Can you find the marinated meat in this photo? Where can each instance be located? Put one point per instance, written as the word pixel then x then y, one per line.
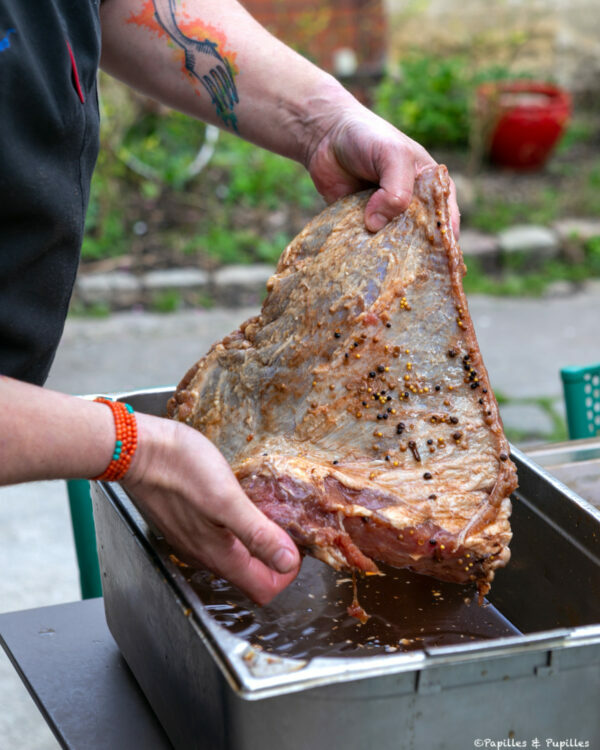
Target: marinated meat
pixel 356 410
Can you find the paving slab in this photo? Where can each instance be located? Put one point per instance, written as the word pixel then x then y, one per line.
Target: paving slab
pixel 525 342
pixel 528 419
pixel 530 239
pixel 482 247
pixel 579 229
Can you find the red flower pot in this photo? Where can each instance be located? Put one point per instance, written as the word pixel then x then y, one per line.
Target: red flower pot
pixel 526 121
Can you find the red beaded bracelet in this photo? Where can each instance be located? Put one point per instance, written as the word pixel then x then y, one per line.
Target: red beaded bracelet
pixel 125 443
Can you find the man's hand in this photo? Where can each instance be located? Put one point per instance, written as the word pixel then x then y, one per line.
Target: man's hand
pixel 361 150
pixel 282 101
pixel 185 487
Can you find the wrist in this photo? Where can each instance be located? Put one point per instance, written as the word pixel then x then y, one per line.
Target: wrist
pixel 321 109
pixel 153 436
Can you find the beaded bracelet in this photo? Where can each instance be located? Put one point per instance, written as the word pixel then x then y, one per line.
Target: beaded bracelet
pixel 125 443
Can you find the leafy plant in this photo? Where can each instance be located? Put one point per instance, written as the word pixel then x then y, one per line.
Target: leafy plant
pixel 227 245
pixel 238 246
pixel 428 100
pixel 166 302
pixel 161 146
pixel 258 177
pixel 592 255
pixel 495 214
pixel 431 97
pixel 104 235
pixel 519 282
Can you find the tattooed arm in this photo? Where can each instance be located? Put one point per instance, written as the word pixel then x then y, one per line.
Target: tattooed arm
pixel 203 61
pixel 212 60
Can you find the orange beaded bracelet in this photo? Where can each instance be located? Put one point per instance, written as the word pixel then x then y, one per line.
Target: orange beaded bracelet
pixel 125 443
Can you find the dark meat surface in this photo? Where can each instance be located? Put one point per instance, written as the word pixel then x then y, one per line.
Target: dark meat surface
pixel 355 410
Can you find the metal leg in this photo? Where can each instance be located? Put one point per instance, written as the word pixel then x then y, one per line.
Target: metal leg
pixel 85 537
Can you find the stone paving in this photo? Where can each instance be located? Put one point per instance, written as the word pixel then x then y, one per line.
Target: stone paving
pixel 524 342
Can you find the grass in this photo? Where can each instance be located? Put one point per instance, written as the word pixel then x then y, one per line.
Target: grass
pixel 257 177
pixel 218 215
pixel 493 215
pixel 516 280
pixel 232 246
pixel 96 310
pixel 168 301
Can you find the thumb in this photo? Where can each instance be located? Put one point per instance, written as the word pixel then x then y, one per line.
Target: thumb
pixel 394 194
pixel 263 538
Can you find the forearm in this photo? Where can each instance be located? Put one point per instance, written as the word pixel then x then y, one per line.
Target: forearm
pixel 283 100
pixel 48 435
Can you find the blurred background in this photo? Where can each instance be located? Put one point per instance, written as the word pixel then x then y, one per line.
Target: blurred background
pixel 420 65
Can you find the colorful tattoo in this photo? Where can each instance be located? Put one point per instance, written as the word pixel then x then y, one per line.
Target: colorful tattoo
pixel 207 61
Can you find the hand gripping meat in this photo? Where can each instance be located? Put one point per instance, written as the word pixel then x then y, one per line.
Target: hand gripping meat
pixel 355 409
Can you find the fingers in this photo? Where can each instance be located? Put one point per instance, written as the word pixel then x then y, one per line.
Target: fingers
pixel 383 206
pixel 263 539
pixel 257 581
pixel 396 172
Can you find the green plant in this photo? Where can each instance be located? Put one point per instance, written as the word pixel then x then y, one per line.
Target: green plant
pixel 592 255
pixel 204 301
pixel 226 245
pixel 166 302
pixel 493 214
pixel 578 131
pixel 78 309
pixel 431 97
pixel 517 281
pixel 161 146
pixel 260 178
pixel 269 251
pixel 428 100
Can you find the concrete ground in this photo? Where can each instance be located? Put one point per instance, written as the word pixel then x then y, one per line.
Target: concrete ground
pixel 524 342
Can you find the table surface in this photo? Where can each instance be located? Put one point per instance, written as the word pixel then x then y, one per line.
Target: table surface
pixel 75 673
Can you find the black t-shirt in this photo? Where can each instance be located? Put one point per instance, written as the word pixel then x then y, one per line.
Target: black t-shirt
pixel 49 55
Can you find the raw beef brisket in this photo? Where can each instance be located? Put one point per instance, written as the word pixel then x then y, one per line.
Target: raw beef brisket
pixel 355 410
